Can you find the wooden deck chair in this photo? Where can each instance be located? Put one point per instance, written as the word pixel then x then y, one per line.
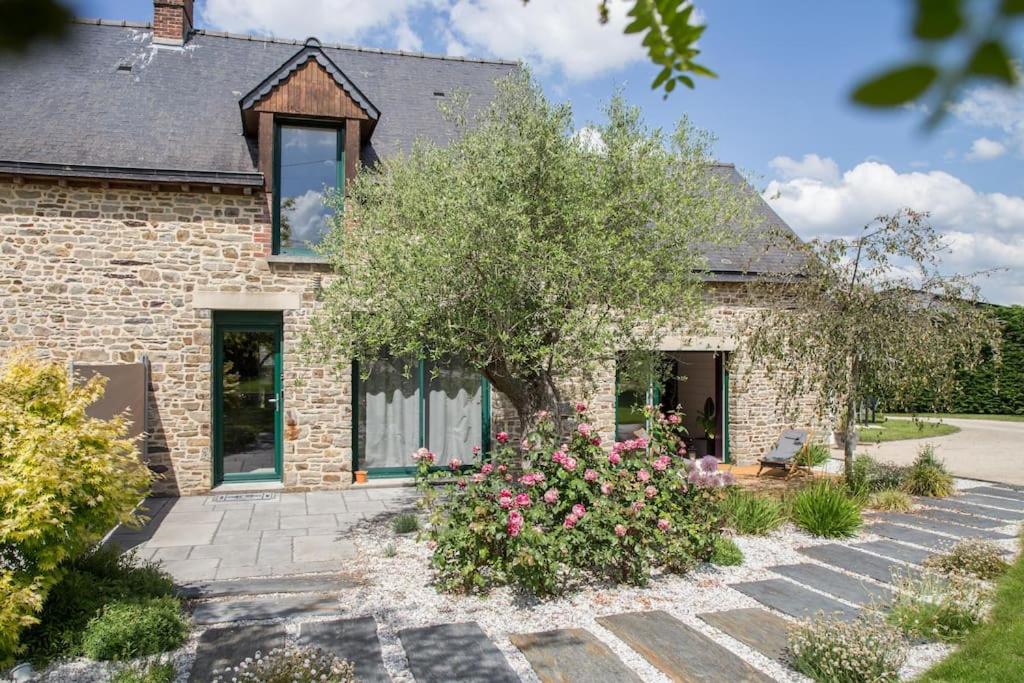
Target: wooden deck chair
pixel 786 454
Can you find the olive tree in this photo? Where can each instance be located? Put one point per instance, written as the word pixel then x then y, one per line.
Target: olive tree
pixel 526 250
pixel 872 316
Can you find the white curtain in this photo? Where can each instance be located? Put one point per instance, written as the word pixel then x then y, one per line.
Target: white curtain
pixel 389 416
pixel 454 413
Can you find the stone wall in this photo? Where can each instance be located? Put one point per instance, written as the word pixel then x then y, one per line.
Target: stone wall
pixel 111 275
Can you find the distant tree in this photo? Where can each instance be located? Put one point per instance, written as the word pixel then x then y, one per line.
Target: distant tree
pixel 527 251
pixel 872 316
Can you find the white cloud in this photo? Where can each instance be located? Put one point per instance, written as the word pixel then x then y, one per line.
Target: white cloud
pixel 983 229
pixel 997 108
pixel 810 166
pixel 561 36
pixel 983 149
pixel 590 139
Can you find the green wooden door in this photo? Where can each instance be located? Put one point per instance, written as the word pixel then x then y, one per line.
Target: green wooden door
pixel 247 397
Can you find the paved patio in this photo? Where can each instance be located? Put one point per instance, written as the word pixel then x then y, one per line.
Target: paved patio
pixel 236 535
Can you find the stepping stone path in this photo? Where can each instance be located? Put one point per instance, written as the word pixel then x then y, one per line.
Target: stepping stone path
pixel 959 505
pixel 220 648
pixel 454 652
pixel 265 608
pixel 998 491
pixel 865 564
pixel 572 655
pixel 941 527
pixel 897 551
pixel 959 518
pixel 677 650
pixel 267 586
pixel 757 628
pixel 794 600
pixel 352 639
pixel 999 502
pixel 844 586
pixel 909 535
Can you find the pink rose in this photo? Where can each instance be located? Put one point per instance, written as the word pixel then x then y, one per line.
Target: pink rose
pixel 454 464
pixel 650 492
pixel 522 500
pixel 515 523
pixel 570 521
pixel 423 455
pixel 487 468
pixel 643 475
pixel 478 478
pixel 641 443
pixel 637 506
pixel 551 496
pixel 673 419
pixel 590 475
pixel 620 530
pixel 681 450
pixel 584 429
pixel 581 407
pixel 662 463
pixel 663 524
pixel 606 488
pixel 461 482
pixel 614 458
pixel 569 464
pixel 559 456
pixel 502 437
pixel 542 414
pixel 579 510
pixel 505 498
pixel 595 441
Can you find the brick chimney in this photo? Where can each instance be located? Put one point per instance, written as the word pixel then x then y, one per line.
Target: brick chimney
pixel 172 21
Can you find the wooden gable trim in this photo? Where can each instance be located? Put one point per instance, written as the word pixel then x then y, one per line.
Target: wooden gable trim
pixel 310 91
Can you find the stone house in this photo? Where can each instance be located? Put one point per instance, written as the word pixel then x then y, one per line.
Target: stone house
pixel 160 189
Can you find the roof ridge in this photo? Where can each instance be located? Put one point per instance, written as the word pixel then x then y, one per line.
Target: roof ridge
pixel 293 41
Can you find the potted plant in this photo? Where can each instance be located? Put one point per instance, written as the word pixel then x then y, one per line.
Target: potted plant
pixel 360 476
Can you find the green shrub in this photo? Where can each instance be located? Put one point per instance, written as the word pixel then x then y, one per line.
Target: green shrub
pixel 97 579
pixel 726 553
pixel 124 630
pixel 405 524
pixel 891 500
pixel 870 476
pixel 980 559
pixel 545 517
pixel 65 480
pixel 154 673
pixel 290 665
pixel 748 513
pixel 836 651
pixel 928 476
pixel 937 607
pixel 815 455
pixel 825 509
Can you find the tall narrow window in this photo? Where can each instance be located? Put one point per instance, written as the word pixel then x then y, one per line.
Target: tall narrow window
pixel 308 166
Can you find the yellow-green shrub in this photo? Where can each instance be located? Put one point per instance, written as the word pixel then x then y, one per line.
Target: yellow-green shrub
pixel 65 480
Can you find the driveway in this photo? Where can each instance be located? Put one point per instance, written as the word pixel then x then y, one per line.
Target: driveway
pixel 983 449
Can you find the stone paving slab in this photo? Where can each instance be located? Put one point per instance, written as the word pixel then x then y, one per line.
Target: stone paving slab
pixel 905 534
pixel 960 505
pixel 897 551
pixel 865 564
pixel 454 652
pixel 679 651
pixel 220 648
pixel 855 590
pixel 960 518
pixel 322 583
pixel 757 628
pixel 994 501
pixel 572 655
pixel 171 533
pixel 796 601
pixel 1016 494
pixel 265 608
pixel 943 527
pixel 354 640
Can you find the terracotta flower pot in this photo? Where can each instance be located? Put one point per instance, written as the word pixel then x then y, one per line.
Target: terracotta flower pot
pixel 360 476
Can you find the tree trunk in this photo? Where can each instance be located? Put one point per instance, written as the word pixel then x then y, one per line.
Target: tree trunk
pixel 528 397
pixel 850 435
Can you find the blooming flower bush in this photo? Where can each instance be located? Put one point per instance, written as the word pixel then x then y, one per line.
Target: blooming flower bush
pixel 971 557
pixel 829 650
pixel 290 665
pixel 556 511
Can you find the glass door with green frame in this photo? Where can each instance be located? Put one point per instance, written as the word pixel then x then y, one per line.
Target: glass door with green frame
pixel 247 396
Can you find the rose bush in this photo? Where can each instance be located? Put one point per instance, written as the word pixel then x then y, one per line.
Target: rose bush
pixel 554 511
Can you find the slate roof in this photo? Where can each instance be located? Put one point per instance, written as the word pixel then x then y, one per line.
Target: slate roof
pixel 110 104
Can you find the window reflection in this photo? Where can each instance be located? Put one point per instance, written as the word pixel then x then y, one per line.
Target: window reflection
pixel 308 171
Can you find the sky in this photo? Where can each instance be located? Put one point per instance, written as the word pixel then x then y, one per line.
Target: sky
pixel 780 108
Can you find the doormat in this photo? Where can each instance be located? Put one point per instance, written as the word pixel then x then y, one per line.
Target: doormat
pixel 245 497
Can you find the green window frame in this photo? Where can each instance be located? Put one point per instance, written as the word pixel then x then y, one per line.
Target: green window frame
pixel 423 386
pixel 339 174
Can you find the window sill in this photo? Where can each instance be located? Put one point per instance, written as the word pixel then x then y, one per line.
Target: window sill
pixel 298 259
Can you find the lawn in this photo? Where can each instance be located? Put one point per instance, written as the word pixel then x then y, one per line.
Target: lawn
pixel 967 416
pixel 995 652
pixel 899 430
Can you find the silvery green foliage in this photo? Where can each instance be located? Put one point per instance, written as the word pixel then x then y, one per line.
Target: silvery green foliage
pixel 290 665
pixel 527 249
pixel 939 607
pixel 866 650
